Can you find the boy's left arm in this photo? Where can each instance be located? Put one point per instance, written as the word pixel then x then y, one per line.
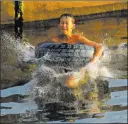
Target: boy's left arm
pixel 99 48
pixel 75 79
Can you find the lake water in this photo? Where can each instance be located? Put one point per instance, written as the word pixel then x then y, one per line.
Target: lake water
pixel 103 102
pixel 117 113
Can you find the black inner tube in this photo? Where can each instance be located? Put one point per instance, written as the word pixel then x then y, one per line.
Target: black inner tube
pixel 64 55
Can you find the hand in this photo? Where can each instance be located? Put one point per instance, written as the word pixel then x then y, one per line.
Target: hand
pixel 90 66
pixel 95 59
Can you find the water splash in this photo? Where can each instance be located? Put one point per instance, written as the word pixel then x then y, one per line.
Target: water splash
pixel 23 50
pixel 48 84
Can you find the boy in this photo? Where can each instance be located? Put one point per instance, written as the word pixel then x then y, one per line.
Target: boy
pixel 66 26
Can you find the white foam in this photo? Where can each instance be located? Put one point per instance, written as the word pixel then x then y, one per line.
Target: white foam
pixel 45 75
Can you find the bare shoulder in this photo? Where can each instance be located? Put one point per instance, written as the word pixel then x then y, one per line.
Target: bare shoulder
pixel 54 39
pixel 78 37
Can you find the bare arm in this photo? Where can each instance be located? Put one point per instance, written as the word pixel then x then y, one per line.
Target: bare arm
pixel 99 48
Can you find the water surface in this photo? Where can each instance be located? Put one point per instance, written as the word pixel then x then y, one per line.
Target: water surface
pixel 23 103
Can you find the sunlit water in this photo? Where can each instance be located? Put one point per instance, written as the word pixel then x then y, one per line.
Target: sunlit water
pixel 103 98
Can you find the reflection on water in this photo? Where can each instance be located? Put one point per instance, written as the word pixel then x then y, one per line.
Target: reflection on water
pixel 101 109
pixel 45 98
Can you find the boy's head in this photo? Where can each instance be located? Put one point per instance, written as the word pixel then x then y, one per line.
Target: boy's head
pixel 66 23
pixel 67 15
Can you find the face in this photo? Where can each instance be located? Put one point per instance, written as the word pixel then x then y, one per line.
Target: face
pixel 66 25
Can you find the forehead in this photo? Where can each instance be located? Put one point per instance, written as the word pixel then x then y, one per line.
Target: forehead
pixel 66 18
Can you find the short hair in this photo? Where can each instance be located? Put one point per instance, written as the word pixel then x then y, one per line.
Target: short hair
pixel 67 15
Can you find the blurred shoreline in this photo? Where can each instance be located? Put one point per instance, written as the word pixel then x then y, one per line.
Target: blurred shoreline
pixel 79 19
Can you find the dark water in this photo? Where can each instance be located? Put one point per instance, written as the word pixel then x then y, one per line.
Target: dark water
pixel 114 110
pixel 102 100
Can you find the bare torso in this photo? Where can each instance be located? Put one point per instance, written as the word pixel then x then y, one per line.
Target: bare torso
pixel 64 39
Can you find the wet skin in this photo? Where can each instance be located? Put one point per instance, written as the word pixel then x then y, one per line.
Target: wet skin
pixel 66 26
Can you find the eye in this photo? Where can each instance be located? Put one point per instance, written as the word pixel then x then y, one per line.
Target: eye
pixel 67 23
pixel 61 22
